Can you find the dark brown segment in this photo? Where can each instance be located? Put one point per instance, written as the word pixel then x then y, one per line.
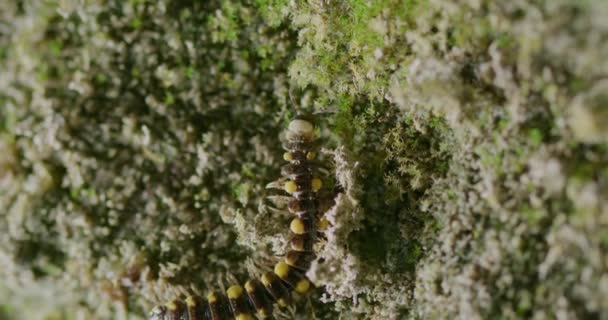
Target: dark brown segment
pixel 274 285
pixel 298 156
pixel 307 194
pixel 306 214
pixel 158 313
pixel 303 183
pixel 294 170
pixel 197 308
pixel 176 310
pixel 219 306
pixel 259 298
pixel 291 277
pixel 305 205
pixel 299 147
pixel 238 301
pixel 299 259
pixel 303 242
pixel 325 200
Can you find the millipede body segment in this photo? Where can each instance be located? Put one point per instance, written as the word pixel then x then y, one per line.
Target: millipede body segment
pixel 257 297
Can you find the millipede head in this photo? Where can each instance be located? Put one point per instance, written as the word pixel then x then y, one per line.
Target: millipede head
pixel 300 130
pixel 301 127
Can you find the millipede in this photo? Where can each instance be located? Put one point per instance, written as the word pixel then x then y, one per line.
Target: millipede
pixel 300 184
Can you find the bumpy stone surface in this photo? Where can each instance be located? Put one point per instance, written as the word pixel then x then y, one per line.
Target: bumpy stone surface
pixel 470 139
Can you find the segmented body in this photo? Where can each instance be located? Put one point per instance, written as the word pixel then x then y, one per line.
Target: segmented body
pixel 257 297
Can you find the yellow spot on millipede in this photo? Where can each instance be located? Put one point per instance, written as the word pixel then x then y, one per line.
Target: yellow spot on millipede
pixel 290 187
pixel 190 301
pixel 249 286
pixel 288 156
pixel 262 313
pixel 282 303
pixel 212 298
pixel 322 224
pixel 172 306
pixel 297 226
pixel 316 184
pixel 281 269
pixel 234 292
pixel 302 286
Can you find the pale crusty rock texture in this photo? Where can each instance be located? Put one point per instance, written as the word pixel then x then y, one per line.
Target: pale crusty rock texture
pixel 468 138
